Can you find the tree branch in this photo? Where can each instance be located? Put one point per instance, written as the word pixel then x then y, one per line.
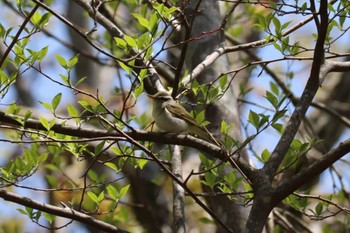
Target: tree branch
pixel 178 192
pixel 62 212
pixel 15 38
pixel 98 134
pixel 318 72
pixel 290 185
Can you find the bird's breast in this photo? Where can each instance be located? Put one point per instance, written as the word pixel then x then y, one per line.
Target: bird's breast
pixel 167 122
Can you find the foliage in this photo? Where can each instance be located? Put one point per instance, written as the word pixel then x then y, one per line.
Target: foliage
pixel 91 140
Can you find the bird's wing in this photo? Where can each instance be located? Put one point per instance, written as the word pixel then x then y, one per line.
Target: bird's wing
pixel 178 111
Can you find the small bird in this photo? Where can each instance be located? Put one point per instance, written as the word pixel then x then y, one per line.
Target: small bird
pixel 171 117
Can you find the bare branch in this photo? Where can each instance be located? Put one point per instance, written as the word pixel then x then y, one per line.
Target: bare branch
pixel 178 192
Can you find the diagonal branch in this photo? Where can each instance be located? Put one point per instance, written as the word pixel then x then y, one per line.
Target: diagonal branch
pixel 316 168
pixel 15 38
pixel 65 212
pixel 318 72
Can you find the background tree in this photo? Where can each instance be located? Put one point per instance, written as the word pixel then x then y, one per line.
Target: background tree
pixel 77 130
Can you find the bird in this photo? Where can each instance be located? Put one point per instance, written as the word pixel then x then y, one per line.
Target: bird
pixel 171 117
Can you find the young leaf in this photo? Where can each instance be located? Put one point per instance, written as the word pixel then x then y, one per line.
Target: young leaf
pixel 120 43
pixel 210 179
pixel 272 99
pixel 100 197
pixel 131 41
pixel 125 67
pixel 112 166
pixel 142 21
pixel 138 90
pixel 319 208
pixel 73 61
pixel 141 163
pixel 112 192
pixel 72 111
pixel 123 191
pixel 45 123
pixel 265 155
pixel 86 106
pixel 55 101
pixel 46 105
pixel 49 217
pixel 62 61
pixel 93 197
pixel 254 119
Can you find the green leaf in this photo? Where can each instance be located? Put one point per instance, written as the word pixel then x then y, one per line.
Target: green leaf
pixel 206 220
pixel 274 88
pixel 223 82
pixel 138 90
pixel 92 175
pixel 22 212
pixel 27 115
pixel 49 217
pixel 168 11
pixel 195 86
pixel 72 111
pixel 42 53
pixel 272 99
pixel 131 41
pixel 120 43
pixel 112 166
pixel 263 119
pixel 125 67
pixel 265 155
pixel 52 123
pixel 45 19
pixel 254 119
pixel 112 192
pixel 93 197
pixel 304 7
pixel 153 22
pixel 100 197
pixel 86 106
pixel 144 40
pixel 45 123
pixel 99 148
pixel 123 191
pixel 277 46
pixel 319 208
pixel 278 127
pixel 279 114
pixel 46 105
pixel 277 25
pixel 73 61
pixel 65 79
pixel 200 116
pixel 35 19
pixel 141 163
pixel 55 101
pixel 14 109
pixel 142 21
pixel 210 179
pixel 80 81
pixel 62 61
pixel 223 128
